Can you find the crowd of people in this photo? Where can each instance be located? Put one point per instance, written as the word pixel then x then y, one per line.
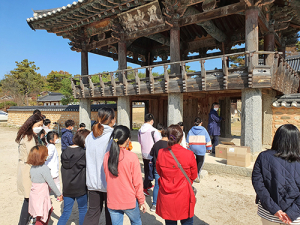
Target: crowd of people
pixel 99 171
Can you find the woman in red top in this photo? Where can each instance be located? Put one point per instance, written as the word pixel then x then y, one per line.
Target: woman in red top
pixel 124 180
pixel 173 185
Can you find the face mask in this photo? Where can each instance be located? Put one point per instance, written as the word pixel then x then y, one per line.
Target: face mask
pixel 57 141
pixel 216 109
pixel 37 129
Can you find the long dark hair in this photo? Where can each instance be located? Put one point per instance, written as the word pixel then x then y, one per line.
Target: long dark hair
pixel 105 116
pixel 174 134
pixel 287 143
pixel 118 137
pixel 26 128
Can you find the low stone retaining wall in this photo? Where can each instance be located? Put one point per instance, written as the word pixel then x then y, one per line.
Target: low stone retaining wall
pixel 284 115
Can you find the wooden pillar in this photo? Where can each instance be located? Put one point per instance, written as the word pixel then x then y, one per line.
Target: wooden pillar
pixel 269 45
pixel 175 49
pixel 124 104
pixel 122 57
pixel 85 104
pixel 225 106
pixel 251 32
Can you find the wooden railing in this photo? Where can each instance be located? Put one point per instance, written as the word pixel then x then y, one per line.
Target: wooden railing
pixel 274 73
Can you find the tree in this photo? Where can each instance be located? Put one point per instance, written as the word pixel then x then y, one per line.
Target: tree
pixel 54 79
pixel 66 90
pixel 23 80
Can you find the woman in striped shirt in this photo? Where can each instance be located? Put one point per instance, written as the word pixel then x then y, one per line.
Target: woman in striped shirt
pixel 276 178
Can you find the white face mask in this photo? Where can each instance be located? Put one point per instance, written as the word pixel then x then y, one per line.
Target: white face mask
pixel 57 141
pixel 37 129
pixel 216 109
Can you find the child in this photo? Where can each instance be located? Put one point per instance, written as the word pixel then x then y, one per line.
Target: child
pixel 52 160
pixel 73 172
pixel 82 126
pixel 67 135
pixel 47 124
pixel 39 199
pixel 124 179
pixel 199 142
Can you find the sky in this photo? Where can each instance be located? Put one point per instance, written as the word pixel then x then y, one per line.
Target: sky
pixel 49 52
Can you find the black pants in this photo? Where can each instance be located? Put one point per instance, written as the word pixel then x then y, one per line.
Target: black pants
pixel 215 142
pixel 96 200
pixel 147 182
pixel 200 162
pixel 24 216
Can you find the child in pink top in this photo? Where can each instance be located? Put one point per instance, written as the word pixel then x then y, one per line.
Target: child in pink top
pixel 124 180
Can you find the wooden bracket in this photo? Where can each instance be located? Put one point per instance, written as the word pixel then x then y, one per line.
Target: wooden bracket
pixel 184 77
pixel 102 85
pixel 203 74
pixel 125 83
pixel 82 87
pixel 166 77
pixel 225 72
pixel 113 83
pixel 138 82
pixel 73 87
pixel 151 80
pixel 91 86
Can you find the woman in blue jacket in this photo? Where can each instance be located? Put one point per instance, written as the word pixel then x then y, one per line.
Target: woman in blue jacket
pixel 199 142
pixel 276 178
pixel 214 125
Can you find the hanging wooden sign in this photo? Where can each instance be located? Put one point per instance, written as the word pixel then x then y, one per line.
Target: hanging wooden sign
pixel 141 18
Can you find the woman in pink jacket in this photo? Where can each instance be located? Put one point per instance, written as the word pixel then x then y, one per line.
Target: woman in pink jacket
pixel 124 180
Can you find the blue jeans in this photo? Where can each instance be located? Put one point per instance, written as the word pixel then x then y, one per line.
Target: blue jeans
pixel 156 187
pixel 68 205
pixel 188 221
pixel 133 214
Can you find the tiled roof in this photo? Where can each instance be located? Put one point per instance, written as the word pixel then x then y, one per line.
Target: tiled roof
pixel 39 14
pixel 51 97
pixel 94 108
pixel 292 100
pixel 294 62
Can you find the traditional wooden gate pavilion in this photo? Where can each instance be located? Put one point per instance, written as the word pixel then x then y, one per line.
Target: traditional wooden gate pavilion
pixel 140 31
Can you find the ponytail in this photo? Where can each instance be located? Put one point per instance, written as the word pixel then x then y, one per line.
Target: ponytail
pixel 118 137
pixel 113 159
pixel 174 135
pixel 105 116
pixel 97 130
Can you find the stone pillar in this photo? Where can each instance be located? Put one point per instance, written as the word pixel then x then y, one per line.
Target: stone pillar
pixel 123 104
pixel 251 30
pixel 175 108
pixel 268 97
pixel 269 45
pixel 225 106
pixel 175 49
pixel 252 119
pixel 123 111
pixel 85 104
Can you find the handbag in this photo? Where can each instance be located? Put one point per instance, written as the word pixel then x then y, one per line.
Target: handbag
pixel 184 173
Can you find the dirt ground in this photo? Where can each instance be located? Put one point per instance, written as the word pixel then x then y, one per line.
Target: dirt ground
pixel 221 199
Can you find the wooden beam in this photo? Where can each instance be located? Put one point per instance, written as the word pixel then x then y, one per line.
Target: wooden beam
pixel 213 14
pixel 115 56
pixel 99 44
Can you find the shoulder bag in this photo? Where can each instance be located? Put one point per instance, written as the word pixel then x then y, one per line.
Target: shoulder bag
pixel 182 170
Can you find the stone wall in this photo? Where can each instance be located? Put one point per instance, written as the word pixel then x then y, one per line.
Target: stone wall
pixel 17 118
pixel 284 115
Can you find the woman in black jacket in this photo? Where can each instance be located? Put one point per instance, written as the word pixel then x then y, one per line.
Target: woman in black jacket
pixel 73 173
pixel 276 178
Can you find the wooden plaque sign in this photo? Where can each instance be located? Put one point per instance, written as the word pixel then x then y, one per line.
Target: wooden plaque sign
pixel 141 18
